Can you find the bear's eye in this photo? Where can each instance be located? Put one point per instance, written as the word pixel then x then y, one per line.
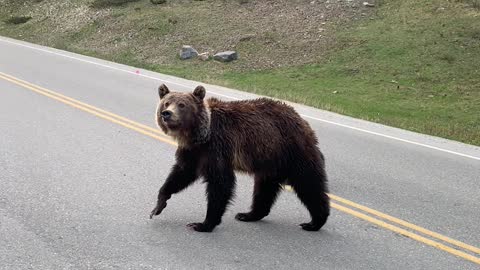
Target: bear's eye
pixel 181 105
pixel 167 104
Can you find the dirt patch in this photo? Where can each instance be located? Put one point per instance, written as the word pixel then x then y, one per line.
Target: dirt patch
pixel 266 34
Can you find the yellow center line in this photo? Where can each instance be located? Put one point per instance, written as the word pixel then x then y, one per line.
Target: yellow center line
pixel 407 233
pixel 11 78
pixel 150 134
pixel 154 133
pixel 406 224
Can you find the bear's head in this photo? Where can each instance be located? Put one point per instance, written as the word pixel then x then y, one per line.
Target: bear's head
pixel 184 116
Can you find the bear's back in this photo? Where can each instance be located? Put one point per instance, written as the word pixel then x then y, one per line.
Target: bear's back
pixel 260 134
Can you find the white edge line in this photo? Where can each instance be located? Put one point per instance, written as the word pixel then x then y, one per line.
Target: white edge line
pixel 393 138
pixel 234 98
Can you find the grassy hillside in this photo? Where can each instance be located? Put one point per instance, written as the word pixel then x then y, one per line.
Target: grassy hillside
pixel 409 64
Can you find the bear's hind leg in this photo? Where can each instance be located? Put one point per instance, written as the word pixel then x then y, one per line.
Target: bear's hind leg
pixel 311 190
pixel 265 192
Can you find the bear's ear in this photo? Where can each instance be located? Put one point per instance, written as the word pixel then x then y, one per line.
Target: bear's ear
pixel 163 90
pixel 199 92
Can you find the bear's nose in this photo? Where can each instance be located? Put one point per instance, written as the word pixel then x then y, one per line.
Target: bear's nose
pixel 166 114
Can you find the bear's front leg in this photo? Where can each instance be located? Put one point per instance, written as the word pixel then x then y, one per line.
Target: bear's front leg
pixel 221 184
pixel 180 177
pixel 161 204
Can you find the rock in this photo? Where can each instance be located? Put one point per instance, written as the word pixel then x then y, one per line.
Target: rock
pixel 226 56
pixel 335 92
pixel 430 96
pixel 188 52
pixel 247 37
pixel 157 2
pixel 367 4
pixel 204 56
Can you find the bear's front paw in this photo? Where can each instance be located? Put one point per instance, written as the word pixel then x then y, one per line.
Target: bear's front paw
pixel 158 209
pixel 200 227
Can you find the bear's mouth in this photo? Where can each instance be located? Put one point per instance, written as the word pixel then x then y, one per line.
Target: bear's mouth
pixel 171 124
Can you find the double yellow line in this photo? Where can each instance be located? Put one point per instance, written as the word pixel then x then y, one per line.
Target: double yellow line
pixel 380 219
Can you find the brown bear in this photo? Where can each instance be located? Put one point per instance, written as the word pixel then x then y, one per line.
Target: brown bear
pixel 262 137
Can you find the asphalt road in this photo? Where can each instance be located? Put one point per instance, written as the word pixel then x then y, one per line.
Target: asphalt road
pixel 76 188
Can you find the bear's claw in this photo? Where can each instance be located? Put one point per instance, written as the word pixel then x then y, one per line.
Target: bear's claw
pixel 158 209
pixel 310 226
pixel 247 217
pixel 200 227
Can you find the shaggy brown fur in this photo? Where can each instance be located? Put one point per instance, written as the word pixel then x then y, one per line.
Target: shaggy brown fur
pixel 262 137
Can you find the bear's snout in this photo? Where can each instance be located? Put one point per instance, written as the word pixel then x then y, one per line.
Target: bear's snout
pixel 166 115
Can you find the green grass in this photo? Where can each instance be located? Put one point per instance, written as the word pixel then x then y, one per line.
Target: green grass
pixel 413 64
pixel 473 3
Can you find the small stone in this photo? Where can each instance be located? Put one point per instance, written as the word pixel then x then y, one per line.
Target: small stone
pixel 204 56
pixel 335 92
pixel 367 4
pixel 157 2
pixel 226 56
pixel 430 96
pixel 247 37
pixel 188 52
